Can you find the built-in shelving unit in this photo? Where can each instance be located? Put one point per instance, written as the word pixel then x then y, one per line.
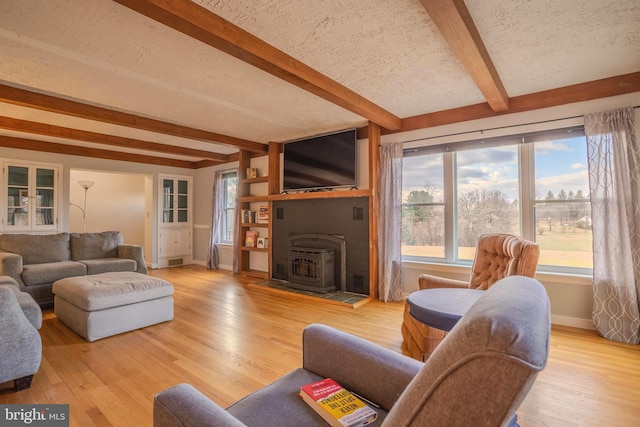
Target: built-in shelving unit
pixel 246 198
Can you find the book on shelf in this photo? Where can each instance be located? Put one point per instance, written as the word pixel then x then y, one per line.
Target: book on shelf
pixel 250 238
pixel 263 214
pixel 248 216
pixel 338 406
pixel 262 242
pixel 252 173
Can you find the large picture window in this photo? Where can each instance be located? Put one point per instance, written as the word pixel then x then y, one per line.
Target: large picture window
pixel 533 185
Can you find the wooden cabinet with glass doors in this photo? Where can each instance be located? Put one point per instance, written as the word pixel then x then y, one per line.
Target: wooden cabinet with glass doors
pixel 175 235
pixel 31 198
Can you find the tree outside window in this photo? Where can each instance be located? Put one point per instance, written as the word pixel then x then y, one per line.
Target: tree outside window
pixel 487 187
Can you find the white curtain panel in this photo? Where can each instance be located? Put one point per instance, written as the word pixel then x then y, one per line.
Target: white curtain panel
pixel 390 222
pixel 213 260
pixel 614 180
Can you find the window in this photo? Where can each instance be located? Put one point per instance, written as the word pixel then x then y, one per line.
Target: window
pixel 562 211
pixel 229 184
pixel 423 206
pixel 534 185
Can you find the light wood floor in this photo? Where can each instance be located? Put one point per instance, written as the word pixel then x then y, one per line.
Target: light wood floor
pixel 229 339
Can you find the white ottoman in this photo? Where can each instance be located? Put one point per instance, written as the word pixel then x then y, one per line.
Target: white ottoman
pixel 100 305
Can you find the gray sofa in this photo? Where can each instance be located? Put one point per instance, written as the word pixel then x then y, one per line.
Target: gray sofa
pixel 476 377
pixel 21 349
pixel 36 261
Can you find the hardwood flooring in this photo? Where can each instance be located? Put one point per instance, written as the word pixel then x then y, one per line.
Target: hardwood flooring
pixel 229 339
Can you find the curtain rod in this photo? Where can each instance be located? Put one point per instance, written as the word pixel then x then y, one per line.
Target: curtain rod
pixel 498 128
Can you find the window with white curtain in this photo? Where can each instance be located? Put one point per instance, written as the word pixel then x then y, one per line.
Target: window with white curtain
pixel 230 185
pixel 534 185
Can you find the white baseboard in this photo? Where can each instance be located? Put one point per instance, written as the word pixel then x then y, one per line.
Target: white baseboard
pixel 204 264
pixel 574 322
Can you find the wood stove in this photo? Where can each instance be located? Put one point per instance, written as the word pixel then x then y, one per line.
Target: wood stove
pixel 312 269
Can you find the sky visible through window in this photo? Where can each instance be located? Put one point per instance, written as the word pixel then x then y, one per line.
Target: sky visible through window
pixel 559 165
pixel 486 184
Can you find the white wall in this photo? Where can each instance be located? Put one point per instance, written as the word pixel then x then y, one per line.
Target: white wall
pixel 115 202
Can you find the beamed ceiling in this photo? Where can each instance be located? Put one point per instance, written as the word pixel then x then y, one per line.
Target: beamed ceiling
pixel 190 83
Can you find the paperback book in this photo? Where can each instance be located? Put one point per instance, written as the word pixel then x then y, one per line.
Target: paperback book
pixel 338 406
pixel 250 238
pixel 263 214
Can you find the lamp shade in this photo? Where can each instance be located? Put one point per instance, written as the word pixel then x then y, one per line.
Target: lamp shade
pixel 86 184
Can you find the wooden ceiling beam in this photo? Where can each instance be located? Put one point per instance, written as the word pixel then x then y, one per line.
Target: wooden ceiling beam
pixel 603 88
pixel 198 22
pixel 40 101
pixel 45 129
pixel 456 25
pixel 72 150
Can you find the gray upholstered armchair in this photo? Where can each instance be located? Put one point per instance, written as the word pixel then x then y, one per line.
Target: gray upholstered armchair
pixel 21 349
pixel 497 256
pixel 477 377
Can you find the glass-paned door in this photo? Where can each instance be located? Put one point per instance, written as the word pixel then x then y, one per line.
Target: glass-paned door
pixel 168 194
pixel 45 197
pixel 183 201
pixel 175 201
pixel 18 196
pixel 31 197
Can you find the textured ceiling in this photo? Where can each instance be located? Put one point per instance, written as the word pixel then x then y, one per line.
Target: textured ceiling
pixel 390 52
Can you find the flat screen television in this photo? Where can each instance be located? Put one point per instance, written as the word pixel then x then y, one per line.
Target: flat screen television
pixel 320 162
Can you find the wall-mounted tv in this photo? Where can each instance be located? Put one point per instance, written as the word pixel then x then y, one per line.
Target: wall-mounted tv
pixel 320 162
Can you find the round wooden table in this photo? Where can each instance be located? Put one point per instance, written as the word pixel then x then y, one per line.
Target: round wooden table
pixel 441 308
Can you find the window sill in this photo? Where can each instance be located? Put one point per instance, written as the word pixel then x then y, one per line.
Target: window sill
pixel 464 269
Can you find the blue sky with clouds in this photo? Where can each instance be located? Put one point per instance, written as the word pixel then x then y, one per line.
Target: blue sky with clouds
pixel 560 164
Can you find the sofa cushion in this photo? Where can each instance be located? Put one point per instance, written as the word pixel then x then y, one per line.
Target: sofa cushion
pixel 280 401
pixel 38 274
pixel 106 265
pixel 95 245
pixel 37 249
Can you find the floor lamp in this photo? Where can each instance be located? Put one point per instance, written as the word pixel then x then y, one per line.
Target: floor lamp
pixel 86 185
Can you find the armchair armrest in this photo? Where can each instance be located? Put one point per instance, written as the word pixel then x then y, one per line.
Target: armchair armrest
pixel 11 265
pixel 426 281
pixel 183 405
pixel 21 350
pixel 136 253
pixel 29 307
pixel 374 372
